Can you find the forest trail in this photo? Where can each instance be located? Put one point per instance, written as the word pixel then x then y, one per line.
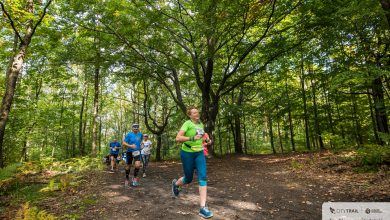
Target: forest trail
pixel 240 187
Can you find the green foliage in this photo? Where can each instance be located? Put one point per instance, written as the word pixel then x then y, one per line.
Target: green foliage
pixel 9 171
pixel 340 45
pixel 26 193
pixel 70 216
pixel 58 166
pixel 65 182
pixel 33 213
pixel 370 157
pixel 52 186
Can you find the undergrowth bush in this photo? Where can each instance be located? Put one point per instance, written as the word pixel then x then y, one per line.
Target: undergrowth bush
pixel 29 213
pixel 372 156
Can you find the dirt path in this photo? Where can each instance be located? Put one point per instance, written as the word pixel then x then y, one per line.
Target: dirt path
pixel 261 187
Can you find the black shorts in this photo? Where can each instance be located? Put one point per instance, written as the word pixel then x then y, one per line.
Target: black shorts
pixel 130 157
pixel 114 155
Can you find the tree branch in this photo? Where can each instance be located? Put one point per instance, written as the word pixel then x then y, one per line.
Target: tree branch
pixel 11 21
pixel 42 16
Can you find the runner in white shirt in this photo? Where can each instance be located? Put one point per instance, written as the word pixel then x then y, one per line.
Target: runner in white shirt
pixel 145 153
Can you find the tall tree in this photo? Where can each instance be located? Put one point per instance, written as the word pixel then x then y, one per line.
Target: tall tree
pixel 157 122
pixel 15 67
pixel 212 41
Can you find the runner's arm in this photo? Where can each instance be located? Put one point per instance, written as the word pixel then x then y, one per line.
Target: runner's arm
pixel 124 144
pixel 181 138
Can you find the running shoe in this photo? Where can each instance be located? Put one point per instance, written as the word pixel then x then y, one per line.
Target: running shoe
pixel 205 212
pixel 175 189
pixel 144 175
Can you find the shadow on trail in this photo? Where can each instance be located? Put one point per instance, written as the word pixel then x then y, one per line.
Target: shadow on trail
pixel 239 188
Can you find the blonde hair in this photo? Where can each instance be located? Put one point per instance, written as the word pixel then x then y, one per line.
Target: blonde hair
pixel 189 108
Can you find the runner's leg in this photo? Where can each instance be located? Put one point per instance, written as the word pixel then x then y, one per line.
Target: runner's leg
pixel 200 162
pixel 137 165
pixel 129 161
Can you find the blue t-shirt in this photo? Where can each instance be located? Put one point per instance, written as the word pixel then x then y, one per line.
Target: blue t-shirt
pixel 115 144
pixel 136 139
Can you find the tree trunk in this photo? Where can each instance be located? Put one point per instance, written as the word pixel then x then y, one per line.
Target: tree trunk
pixel 380 108
pixel 219 136
pixel 208 118
pixel 228 144
pixel 13 70
pixel 81 145
pixel 340 120
pixel 57 138
pixel 290 120
pixel 377 140
pixel 158 148
pixel 280 137
pixel 386 8
pixel 237 135
pixel 245 138
pixel 359 138
pixel 24 151
pixel 84 135
pixel 271 134
pixel 330 117
pixel 318 133
pixel 13 74
pixel 305 115
pixel 73 139
pixel 100 118
pixel 158 128
pixel 95 106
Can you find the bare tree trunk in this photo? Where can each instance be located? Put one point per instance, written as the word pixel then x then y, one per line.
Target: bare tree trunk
pixel 13 70
pixel 100 118
pixel 158 148
pixel 158 128
pixel 228 149
pixel 219 136
pixel 359 138
pixel 96 105
pixel 318 133
pixel 305 115
pixel 245 139
pixel 24 151
pixel 57 138
pixel 380 108
pixel 290 120
pixel 84 135
pixel 280 138
pixel 271 133
pixel 330 117
pixel 340 120
pixel 377 140
pixel 73 154
pixel 81 145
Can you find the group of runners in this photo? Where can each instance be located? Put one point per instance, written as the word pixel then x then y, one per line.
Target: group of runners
pixel 137 148
pixel 193 154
